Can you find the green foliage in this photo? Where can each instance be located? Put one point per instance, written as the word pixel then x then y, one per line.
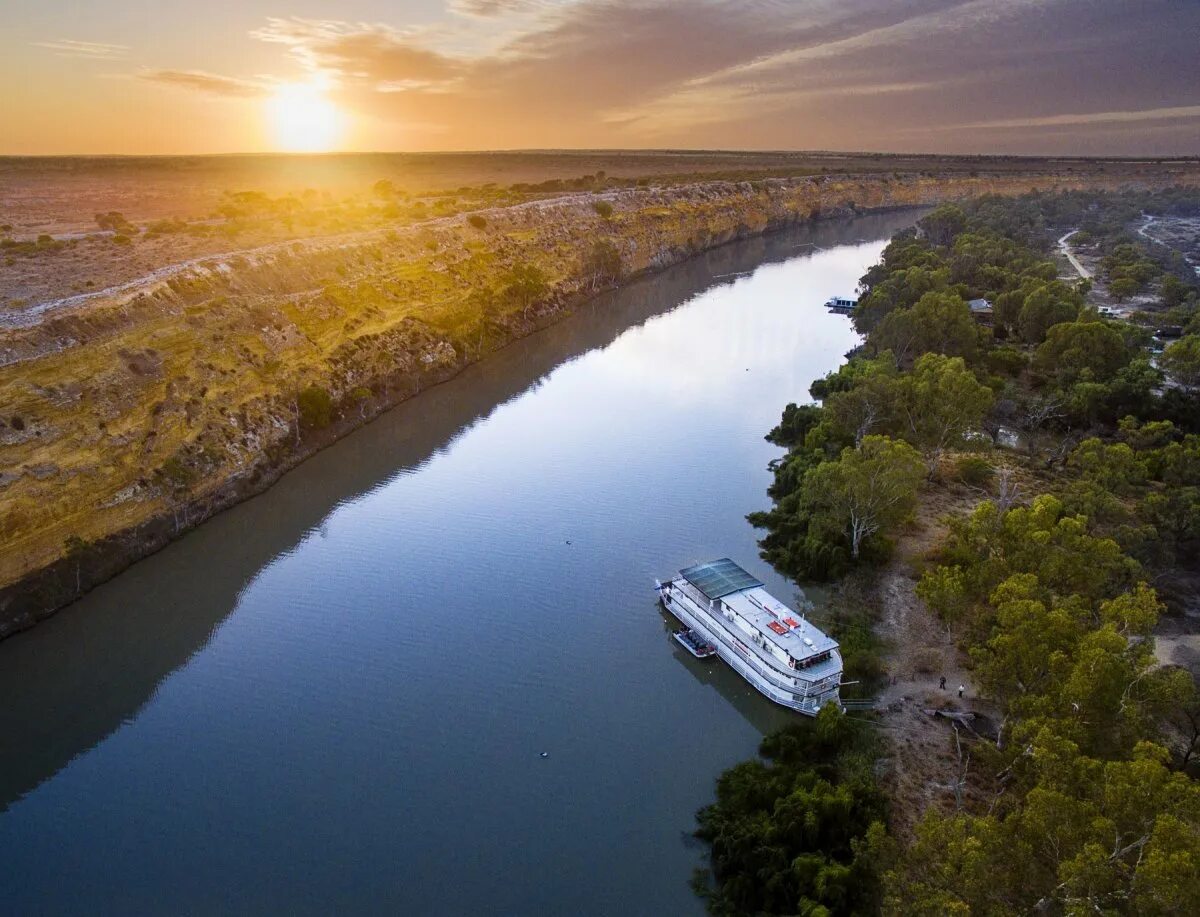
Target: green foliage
pixel 944 225
pixel 802 831
pixel 1092 836
pixel 794 426
pixel 176 472
pixel 1181 361
pixel 942 402
pixel 936 323
pixel 524 285
pixel 974 470
pixel 603 208
pixel 1043 308
pixel 834 509
pixel 315 406
pixel 114 221
pixel 1097 813
pixel 74 546
pixel 477 221
pixel 1082 351
pixel 603 265
pixel 1060 623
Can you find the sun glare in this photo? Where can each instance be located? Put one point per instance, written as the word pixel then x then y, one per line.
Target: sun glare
pixel 303 120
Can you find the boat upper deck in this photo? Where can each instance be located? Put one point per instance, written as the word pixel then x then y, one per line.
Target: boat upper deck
pixel 724 583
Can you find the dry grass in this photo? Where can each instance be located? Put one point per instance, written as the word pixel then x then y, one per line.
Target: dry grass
pixel 133 401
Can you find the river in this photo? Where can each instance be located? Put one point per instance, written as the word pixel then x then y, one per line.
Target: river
pixel 336 696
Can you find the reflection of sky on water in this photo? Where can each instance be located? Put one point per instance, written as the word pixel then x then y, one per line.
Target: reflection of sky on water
pixel 406 620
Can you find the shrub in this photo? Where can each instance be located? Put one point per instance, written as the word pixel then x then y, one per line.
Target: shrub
pixel 176 472
pixel 316 407
pixel 974 470
pixel 477 221
pixel 604 208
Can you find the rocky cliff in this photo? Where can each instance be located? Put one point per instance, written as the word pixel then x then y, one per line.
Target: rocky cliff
pixel 135 413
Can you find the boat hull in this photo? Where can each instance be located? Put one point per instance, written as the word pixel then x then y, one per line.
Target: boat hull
pixel 740 659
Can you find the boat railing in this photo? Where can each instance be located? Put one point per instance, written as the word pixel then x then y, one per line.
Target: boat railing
pixel 792 675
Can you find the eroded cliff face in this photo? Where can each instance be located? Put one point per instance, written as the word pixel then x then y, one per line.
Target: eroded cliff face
pixel 133 414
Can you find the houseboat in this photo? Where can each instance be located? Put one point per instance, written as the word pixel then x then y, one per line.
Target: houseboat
pixel 842 305
pixel 769 644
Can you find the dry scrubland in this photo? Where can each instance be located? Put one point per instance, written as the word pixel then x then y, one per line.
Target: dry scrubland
pixel 129 414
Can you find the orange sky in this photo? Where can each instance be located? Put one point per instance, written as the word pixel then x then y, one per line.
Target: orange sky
pixel 1030 76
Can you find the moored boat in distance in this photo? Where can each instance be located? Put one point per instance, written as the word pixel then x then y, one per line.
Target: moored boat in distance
pixel 694 644
pixel 769 644
pixel 842 305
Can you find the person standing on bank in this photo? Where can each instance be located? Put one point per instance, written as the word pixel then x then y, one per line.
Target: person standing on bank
pixel 961 688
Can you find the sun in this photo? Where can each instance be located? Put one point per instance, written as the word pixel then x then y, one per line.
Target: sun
pixel 303 120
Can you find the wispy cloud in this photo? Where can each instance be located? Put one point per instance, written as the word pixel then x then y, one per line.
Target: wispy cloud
pixel 377 53
pixel 1097 117
pixel 66 47
pixel 201 81
pixel 491 9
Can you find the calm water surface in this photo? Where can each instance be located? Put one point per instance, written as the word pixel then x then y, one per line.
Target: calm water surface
pixel 335 696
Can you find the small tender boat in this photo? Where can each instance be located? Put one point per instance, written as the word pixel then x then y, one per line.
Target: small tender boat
pixel 695 644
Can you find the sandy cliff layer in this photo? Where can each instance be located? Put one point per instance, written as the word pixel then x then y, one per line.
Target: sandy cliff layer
pixel 133 414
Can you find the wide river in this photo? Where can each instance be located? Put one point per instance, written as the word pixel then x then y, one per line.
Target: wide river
pixel 336 697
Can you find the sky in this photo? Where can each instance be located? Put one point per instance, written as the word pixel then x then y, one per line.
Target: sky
pixel 1094 77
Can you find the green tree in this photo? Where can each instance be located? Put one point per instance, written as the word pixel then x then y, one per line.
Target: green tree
pixel 866 491
pixel 525 285
pixel 1044 308
pixel 944 224
pixel 942 402
pixel 1087 351
pixel 1122 288
pixel 799 831
pixel 603 265
pixel 872 401
pixel 938 323
pixel 1181 361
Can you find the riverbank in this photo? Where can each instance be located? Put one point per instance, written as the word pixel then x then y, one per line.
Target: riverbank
pixel 1013 592
pixel 138 415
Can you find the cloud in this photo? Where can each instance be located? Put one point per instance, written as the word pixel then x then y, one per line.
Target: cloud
pixel 66 47
pixel 1098 117
pixel 488 9
pixel 364 51
pixel 200 81
pixel 954 75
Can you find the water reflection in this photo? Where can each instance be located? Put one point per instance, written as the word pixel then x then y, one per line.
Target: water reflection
pixel 332 685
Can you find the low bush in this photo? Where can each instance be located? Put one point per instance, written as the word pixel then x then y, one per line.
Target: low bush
pixel 974 470
pixel 316 407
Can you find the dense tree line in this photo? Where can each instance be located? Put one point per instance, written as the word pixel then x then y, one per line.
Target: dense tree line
pixel 1096 806
pixel 800 832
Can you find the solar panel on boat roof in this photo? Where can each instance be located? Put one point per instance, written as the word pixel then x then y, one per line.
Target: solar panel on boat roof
pixel 719 578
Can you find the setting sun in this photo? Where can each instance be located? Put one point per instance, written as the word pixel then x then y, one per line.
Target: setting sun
pixel 303 119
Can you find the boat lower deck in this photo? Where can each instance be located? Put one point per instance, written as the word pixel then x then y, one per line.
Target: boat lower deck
pixel 747 659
